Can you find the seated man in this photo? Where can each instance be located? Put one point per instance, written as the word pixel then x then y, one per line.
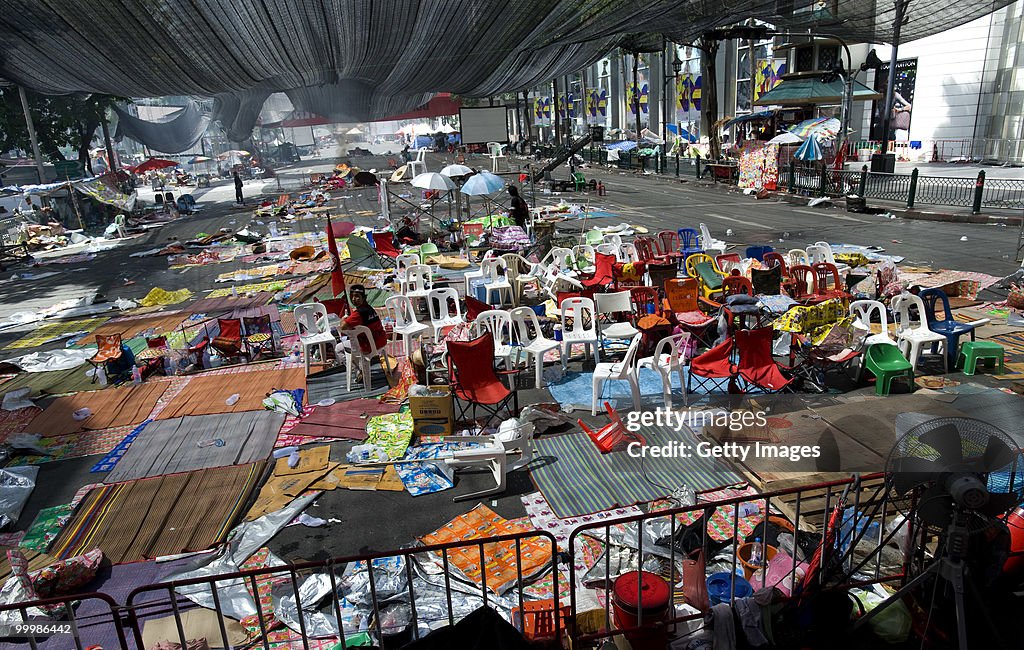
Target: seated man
pixel 364 314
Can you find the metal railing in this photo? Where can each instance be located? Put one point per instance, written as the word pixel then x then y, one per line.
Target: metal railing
pixel 911 189
pixel 427 572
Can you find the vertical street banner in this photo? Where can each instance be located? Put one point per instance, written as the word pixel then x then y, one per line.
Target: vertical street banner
pixel 768 75
pixel 902 101
pixel 542 111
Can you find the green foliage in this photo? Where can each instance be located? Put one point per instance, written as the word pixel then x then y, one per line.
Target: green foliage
pixel 60 121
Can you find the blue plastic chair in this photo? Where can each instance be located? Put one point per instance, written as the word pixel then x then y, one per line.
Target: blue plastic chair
pixel 757 252
pixel 950 328
pixel 689 242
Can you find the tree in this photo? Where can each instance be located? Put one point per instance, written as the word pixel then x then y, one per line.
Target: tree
pixel 709 94
pixel 60 121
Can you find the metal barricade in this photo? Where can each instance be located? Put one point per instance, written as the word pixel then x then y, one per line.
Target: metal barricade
pixel 92 619
pixel 792 502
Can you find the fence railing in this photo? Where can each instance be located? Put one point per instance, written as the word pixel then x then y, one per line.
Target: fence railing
pixel 350 594
pixel 912 189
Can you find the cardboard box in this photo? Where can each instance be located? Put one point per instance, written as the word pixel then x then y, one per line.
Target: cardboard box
pixel 433 427
pixel 437 407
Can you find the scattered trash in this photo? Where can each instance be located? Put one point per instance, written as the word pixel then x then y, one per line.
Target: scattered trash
pixel 123 304
pixel 896 241
pixel 964 238
pixel 81 414
pixel 824 200
pixel 231 401
pixel 293 459
pixel 284 451
pixel 328 401
pixel 17 399
pixel 313 522
pixel 213 442
pixel 728 232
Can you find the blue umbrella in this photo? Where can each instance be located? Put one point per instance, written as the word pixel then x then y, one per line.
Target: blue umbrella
pixel 809 150
pixel 483 183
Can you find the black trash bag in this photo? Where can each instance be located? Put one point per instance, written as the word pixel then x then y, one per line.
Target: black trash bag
pixel 484 629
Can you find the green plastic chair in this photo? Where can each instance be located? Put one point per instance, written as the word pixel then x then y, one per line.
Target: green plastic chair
pixel 972 352
pixel 426 250
pixel 594 237
pixel 886 363
pixel 580 180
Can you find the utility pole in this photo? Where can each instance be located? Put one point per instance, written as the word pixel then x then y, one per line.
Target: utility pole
pixel 635 104
pixel 31 133
pixel 111 164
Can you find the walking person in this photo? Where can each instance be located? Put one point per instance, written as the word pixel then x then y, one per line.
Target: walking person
pixel 519 211
pixel 239 199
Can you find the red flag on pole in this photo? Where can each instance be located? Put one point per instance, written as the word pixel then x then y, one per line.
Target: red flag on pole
pixel 337 277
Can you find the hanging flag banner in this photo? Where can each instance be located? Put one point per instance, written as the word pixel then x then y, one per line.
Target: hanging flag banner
pixel 542 111
pixel 695 94
pixel 768 75
pixel 684 92
pixel 637 98
pixel 570 106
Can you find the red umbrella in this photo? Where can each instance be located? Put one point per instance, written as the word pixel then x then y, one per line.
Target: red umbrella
pixel 154 163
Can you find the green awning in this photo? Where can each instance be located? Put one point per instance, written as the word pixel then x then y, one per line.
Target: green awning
pixel 812 90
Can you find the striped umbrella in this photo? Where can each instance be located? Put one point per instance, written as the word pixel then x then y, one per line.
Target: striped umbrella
pixel 822 127
pixel 809 150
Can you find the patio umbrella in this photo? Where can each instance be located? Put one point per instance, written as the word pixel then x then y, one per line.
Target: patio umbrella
pixel 433 181
pixel 154 163
pixel 233 153
pixel 456 170
pixel 786 138
pixel 353 131
pixel 483 183
pixel 810 150
pixel 199 159
pixel 823 127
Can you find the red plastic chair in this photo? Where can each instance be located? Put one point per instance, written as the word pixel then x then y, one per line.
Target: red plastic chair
pixel 229 339
pixel 804 284
pixel 756 365
pixel 474 381
pixel 647 249
pixel 736 284
pixel 773 259
pixel 669 243
pixel 645 301
pixel 827 284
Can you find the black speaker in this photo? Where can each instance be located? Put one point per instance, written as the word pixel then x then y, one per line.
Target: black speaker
pixel 597 134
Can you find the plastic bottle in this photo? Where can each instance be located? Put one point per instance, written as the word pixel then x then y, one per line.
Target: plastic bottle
pixel 755 552
pixel 213 442
pixel 296 353
pixel 231 401
pixel 101 376
pixel 136 375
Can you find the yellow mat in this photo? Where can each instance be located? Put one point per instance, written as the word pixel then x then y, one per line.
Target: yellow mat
pixel 47 332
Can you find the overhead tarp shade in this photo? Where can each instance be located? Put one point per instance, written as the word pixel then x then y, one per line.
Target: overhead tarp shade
pixel 442 104
pixel 179 132
pixel 93 187
pixel 812 90
pixel 752 117
pixel 296 119
pixel 369 59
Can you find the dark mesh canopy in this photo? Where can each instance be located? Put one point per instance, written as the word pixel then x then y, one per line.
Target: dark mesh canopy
pixel 363 59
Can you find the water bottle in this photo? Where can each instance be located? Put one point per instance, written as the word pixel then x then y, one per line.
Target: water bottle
pixel 136 375
pixel 755 553
pixel 296 353
pixel 101 376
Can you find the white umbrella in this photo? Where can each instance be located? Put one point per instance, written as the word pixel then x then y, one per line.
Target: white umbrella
pixel 447 128
pixel 433 181
pixel 353 131
pixel 456 170
pixel 786 138
pixel 483 183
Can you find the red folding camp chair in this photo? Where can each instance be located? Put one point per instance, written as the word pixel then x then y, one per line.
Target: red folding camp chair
pixel 228 341
pixel 151 359
pixel 603 271
pixel 713 365
pixel 259 335
pixel 756 366
pixel 474 381
pixel 474 308
pixel 384 245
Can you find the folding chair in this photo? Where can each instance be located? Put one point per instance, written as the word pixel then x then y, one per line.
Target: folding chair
pixel 474 381
pixel 756 365
pixel 681 297
pixel 259 335
pixel 228 341
pixel 153 356
pixel 383 243
pixel 108 348
pixel 810 363
pixel 604 271
pixel 712 366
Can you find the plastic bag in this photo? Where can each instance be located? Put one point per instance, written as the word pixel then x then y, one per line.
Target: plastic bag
pixel 891 625
pixel 16 485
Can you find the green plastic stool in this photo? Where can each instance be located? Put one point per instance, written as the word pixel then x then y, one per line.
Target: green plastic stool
pixel 886 363
pixel 972 352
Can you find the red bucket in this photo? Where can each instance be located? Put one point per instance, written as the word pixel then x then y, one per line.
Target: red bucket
pixel 636 592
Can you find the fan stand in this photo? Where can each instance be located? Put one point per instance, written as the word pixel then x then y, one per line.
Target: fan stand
pixel 949 567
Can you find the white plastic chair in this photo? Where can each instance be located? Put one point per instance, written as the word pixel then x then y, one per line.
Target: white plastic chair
pixel 402 264
pixel 314 330
pixel 613 238
pixel 798 256
pixel 354 355
pixel 476 274
pixel 554 280
pixel 710 243
pixel 560 258
pixel 580 310
pixel 512 437
pixel 584 254
pixel 829 256
pixel 628 253
pixel 406 326
pixel 418 165
pixel 532 341
pixel 418 283
pixel 668 358
pixel 496 280
pixel 499 324
pixel 495 153
pixel 862 311
pixel 441 317
pixel 614 303
pixel 607 249
pixel 624 370
pixel 912 332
